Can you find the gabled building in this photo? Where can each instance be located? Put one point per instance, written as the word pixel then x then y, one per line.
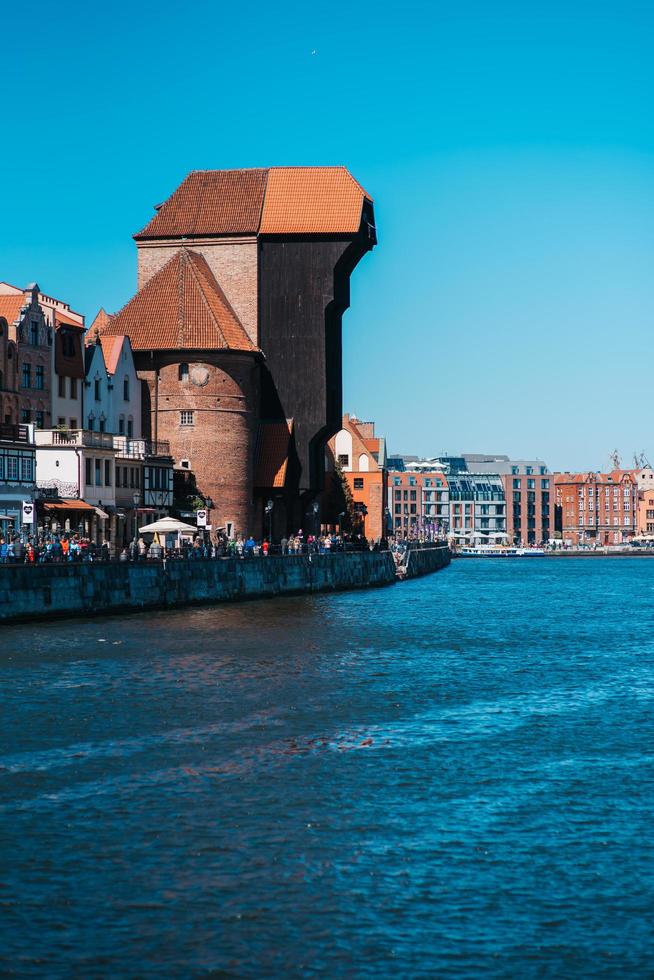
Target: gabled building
pixel 98 402
pixel 361 457
pixel 31 339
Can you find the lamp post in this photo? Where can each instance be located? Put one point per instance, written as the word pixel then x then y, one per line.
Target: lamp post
pixel 209 505
pixel 269 510
pixel 136 497
pixel 315 507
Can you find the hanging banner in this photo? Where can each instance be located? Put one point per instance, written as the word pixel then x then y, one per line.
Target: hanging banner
pixel 201 518
pixel 28 512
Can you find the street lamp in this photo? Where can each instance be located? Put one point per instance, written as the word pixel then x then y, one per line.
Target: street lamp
pixel 315 507
pixel 269 510
pixel 136 497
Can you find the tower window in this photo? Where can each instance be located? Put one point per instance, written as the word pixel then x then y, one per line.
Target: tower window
pixel 182 373
pixel 186 418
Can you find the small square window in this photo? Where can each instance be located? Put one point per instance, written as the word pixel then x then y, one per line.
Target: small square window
pixel 186 418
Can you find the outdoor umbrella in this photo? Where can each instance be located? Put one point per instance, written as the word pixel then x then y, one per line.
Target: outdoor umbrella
pixel 168 525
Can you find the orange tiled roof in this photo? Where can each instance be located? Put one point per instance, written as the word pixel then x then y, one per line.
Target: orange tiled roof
pixel 276 200
pixel 111 347
pixel 68 321
pixel 271 455
pixel 311 200
pixel 181 307
pixel 10 306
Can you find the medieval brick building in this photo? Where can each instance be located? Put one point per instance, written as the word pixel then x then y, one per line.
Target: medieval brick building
pixel 243 278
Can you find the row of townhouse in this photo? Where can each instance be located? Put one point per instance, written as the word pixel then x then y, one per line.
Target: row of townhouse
pixel 72 453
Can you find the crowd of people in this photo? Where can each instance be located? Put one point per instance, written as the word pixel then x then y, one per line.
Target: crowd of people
pixel 27 549
pixel 72 547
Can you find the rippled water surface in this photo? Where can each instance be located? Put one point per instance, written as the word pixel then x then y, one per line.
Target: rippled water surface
pixel 448 778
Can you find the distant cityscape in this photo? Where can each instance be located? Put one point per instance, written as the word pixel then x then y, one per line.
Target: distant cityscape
pixel 491 499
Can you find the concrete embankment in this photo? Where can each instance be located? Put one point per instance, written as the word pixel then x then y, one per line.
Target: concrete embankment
pixel 45 591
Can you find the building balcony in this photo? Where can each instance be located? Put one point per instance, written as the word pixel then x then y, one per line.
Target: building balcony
pixel 140 448
pixel 17 433
pixel 74 437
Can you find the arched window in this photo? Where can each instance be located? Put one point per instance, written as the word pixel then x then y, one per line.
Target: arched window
pixel 182 374
pixel 344 449
pixel 130 427
pixel 91 421
pixel 363 463
pixel 121 425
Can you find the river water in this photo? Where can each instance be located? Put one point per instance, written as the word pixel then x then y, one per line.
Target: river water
pixel 452 777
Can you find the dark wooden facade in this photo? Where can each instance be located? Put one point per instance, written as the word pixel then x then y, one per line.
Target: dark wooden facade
pixel 304 289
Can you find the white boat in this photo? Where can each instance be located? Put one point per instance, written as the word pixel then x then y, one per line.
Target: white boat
pixel 492 551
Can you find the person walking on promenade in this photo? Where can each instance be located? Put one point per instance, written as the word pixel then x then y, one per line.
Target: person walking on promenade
pixel 65 548
pixel 19 551
pixel 142 549
pixel 124 555
pixel 284 544
pixel 134 549
pixel 3 551
pixel 264 548
pixel 250 545
pixel 105 553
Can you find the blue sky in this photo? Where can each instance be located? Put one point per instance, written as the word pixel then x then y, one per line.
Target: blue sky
pixel 509 148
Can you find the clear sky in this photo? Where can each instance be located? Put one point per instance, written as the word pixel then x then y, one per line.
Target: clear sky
pixel 509 148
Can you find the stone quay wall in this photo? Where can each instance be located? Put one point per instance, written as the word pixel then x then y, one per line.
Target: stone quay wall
pixel 45 591
pixel 423 561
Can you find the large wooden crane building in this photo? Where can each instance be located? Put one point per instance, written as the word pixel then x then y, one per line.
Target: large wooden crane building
pixel 243 278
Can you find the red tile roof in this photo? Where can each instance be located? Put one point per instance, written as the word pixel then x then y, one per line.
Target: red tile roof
pixel 277 200
pixel 211 202
pixel 271 454
pixel 10 306
pixel 181 307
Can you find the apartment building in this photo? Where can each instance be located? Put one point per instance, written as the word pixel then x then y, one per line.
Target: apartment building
pixel 596 508
pixel 477 508
pixel 418 503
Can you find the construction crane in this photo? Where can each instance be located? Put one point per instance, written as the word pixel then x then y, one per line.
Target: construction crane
pixel 615 461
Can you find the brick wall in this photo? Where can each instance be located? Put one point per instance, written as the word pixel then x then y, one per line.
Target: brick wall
pixel 233 263
pixel 222 393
